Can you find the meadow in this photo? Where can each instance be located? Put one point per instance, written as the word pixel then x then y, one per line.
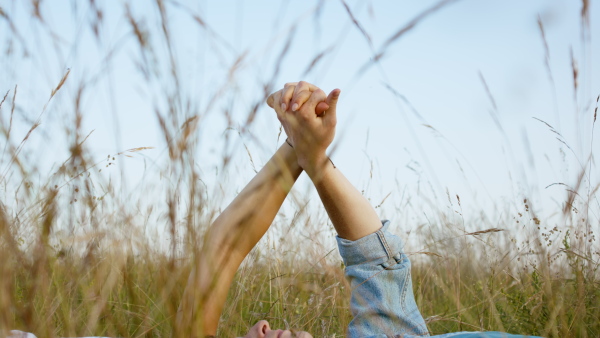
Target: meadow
pixel 82 255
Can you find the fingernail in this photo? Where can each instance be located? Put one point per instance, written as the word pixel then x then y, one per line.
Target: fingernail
pixel 283 106
pixel 294 107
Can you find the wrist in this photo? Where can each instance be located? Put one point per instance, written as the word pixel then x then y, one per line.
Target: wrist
pixel 287 153
pixel 316 166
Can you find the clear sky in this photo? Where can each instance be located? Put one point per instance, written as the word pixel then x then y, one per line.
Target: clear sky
pixel 441 132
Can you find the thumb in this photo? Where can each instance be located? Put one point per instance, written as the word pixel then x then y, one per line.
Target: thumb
pixel 321 108
pixel 332 100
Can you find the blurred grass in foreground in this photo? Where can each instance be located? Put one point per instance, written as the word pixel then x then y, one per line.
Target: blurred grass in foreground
pixel 115 293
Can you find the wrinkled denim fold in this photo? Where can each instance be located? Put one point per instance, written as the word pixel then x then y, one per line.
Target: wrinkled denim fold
pixel 382 301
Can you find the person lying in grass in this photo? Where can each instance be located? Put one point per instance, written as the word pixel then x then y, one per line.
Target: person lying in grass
pixel 382 301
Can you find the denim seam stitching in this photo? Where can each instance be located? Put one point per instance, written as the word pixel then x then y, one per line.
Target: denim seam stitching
pixel 385 244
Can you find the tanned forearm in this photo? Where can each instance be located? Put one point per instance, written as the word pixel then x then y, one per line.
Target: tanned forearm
pixel 230 238
pixel 351 214
pixel 311 134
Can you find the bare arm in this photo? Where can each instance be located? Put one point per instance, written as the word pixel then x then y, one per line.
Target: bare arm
pixel 231 237
pixel 382 300
pixel 351 214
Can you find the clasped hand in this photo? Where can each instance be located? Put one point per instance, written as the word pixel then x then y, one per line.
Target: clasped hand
pixel 308 117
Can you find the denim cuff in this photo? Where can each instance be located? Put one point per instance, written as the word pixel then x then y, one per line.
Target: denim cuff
pixel 378 246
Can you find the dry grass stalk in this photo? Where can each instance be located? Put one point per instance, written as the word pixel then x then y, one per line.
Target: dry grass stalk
pixel 484 231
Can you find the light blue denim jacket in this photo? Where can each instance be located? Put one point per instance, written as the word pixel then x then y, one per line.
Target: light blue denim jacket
pixel 382 301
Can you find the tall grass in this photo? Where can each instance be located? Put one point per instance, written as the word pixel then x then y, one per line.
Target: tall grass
pixel 82 256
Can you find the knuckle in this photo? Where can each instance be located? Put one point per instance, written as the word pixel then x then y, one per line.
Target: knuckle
pixel 304 114
pixel 321 95
pixel 289 92
pixel 301 98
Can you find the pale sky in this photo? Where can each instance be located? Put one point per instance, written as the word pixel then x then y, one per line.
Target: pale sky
pixel 436 67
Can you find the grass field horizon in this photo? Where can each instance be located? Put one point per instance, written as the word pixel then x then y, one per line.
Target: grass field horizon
pixel 102 245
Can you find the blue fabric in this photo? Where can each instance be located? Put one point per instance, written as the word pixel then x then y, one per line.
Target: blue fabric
pixel 382 301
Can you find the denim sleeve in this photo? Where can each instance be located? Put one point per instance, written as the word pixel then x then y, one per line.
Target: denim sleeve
pixel 382 301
